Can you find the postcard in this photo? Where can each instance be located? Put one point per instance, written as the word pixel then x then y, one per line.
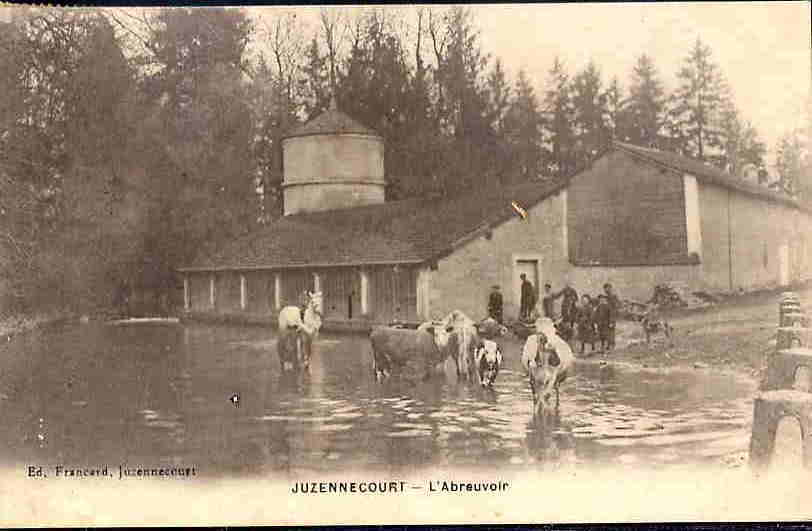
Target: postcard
pixel 515 263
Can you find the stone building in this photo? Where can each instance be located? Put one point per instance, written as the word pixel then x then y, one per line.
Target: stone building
pixel 636 217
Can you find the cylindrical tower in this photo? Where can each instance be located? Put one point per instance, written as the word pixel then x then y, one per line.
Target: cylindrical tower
pixel 332 162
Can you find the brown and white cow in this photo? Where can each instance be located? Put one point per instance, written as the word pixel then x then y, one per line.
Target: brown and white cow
pixel 410 353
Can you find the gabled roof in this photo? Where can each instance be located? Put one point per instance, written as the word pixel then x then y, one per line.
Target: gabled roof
pixel 398 232
pixel 704 172
pixel 331 122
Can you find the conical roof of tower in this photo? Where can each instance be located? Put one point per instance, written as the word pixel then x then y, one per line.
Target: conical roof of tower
pixel 331 122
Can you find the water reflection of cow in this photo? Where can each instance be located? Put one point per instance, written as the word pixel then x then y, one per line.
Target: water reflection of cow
pixel 297 331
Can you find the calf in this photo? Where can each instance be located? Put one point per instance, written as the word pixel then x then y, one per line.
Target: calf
pixel 548 360
pixel 488 360
pixel 404 350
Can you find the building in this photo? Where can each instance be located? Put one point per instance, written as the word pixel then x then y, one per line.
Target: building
pixel 637 217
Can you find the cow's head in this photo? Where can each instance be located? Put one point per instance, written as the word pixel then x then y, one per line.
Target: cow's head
pixel 440 331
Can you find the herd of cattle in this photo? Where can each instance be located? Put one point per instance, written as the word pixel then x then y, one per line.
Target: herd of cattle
pixel 546 358
pixel 417 352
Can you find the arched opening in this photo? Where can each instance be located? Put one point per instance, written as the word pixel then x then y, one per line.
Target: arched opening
pixel 803 379
pixel 788 452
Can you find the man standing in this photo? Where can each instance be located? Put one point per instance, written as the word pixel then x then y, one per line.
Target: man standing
pixel 548 301
pixel 614 308
pixel 495 304
pixel 568 304
pixel 528 298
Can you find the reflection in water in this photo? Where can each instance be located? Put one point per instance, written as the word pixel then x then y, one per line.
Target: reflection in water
pixel 157 394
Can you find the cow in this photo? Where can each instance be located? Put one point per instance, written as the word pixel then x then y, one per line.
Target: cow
pixel 404 350
pixel 488 360
pixel 467 338
pixel 547 360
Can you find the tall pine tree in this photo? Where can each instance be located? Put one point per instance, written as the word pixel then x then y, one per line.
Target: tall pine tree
pixel 644 109
pixel 697 106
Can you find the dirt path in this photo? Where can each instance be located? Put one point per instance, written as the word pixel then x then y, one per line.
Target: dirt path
pixel 734 335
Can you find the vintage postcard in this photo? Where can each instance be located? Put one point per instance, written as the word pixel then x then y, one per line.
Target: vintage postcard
pixel 405 264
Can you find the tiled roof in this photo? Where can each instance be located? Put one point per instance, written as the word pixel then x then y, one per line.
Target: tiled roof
pixel 704 172
pixel 331 121
pixel 409 231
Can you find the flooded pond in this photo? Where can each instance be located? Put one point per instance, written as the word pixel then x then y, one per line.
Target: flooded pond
pixel 148 394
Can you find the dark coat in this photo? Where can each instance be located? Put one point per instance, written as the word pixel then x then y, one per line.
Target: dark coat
pixel 495 306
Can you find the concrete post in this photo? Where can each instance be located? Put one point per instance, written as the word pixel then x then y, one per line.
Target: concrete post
pixel 212 288
pixel 364 292
pixel 277 291
pixel 769 408
pixel 316 282
pixel 243 293
pixel 424 293
pixel 186 295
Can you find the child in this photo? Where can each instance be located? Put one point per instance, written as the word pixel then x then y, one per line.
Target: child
pixel 603 321
pixel 586 324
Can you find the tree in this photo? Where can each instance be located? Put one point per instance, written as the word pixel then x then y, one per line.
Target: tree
pixel 644 109
pixel 741 145
pixel 697 104
pixel 559 134
pixel 788 162
pixel 590 110
pixel 615 115
pixel 523 131
pixel 462 107
pixel 207 177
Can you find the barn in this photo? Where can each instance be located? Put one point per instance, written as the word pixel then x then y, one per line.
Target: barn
pixel 636 217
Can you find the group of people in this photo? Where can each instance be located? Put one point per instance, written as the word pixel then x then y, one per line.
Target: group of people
pixel 593 317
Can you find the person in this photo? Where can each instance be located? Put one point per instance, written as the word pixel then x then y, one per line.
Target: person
pixel 569 304
pixel 614 308
pixel 586 322
pixel 528 298
pixel 603 321
pixel 495 304
pixel 548 301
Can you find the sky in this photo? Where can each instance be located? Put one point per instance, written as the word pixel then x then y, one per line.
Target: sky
pixel 762 48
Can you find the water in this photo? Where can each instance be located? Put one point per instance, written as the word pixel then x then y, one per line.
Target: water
pixel 152 395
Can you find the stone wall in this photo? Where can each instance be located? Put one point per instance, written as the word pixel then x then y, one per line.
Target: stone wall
pixel 463 279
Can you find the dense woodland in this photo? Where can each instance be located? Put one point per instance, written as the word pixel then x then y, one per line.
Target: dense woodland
pixel 130 140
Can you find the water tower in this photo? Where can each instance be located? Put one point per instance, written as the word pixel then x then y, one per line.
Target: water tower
pixel 332 162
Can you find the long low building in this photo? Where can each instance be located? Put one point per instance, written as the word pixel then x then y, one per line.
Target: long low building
pixel 636 218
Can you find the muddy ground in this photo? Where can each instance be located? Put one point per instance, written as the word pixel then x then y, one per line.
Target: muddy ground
pixel 733 335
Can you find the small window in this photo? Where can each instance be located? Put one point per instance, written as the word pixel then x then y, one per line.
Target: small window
pixel 766 256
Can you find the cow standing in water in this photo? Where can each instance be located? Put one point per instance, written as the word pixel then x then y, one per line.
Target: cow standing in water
pixel 297 331
pixel 548 360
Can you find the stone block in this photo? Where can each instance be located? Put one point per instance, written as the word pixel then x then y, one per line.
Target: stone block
pixel 768 410
pixel 794 319
pixel 792 336
pixel 783 368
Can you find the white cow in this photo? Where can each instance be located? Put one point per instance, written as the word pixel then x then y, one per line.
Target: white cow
pixel 548 360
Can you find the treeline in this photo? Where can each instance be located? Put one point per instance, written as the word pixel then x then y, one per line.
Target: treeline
pixel 131 140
